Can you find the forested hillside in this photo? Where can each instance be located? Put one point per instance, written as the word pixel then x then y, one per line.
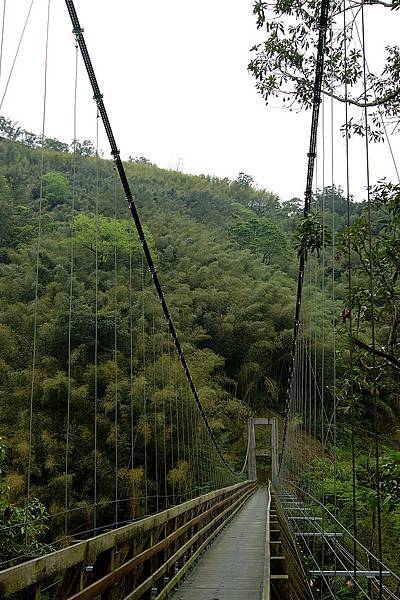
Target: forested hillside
pixel 226 253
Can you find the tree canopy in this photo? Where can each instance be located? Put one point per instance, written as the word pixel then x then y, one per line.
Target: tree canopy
pixel 284 64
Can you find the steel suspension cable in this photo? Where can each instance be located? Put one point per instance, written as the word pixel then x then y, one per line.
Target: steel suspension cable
pixel 3 22
pixel 164 412
pixel 177 421
pixel 317 93
pixel 183 425
pixel 71 298
pixel 323 333
pixel 372 308
pixel 116 374
pixel 314 365
pixel 38 248
pixel 171 413
pixel 189 427
pixel 195 415
pixel 17 52
pixel 333 317
pixel 155 413
pixel 131 402
pixel 96 327
pixel 144 386
pixel 350 307
pixel 379 108
pixel 142 420
pixel 98 97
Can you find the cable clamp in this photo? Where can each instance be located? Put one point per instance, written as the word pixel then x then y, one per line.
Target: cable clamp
pixel 311 154
pixel 78 31
pixel 115 153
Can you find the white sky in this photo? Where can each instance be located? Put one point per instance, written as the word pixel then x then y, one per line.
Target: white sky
pixel 177 90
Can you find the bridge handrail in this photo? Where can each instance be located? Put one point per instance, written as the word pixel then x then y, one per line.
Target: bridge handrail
pixel 32 573
pixel 267 556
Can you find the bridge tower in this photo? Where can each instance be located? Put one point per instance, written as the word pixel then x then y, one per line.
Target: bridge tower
pixel 254 452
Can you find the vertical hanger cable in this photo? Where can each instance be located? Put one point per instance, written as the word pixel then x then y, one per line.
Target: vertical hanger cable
pixel 96 328
pixel 38 249
pixel 372 308
pixel 71 301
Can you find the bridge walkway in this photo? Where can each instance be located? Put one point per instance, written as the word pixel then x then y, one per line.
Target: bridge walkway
pixel 233 567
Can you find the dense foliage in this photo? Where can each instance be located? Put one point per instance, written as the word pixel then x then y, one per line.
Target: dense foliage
pixel 231 298
pixel 227 256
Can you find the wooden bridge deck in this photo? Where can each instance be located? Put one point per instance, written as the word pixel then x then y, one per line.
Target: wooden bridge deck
pixel 234 565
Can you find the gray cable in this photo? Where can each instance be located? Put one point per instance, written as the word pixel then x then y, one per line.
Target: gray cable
pixel 71 299
pixel 2 36
pixel 17 53
pixel 38 247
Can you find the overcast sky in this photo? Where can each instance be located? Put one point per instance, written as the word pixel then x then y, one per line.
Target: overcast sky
pixel 175 82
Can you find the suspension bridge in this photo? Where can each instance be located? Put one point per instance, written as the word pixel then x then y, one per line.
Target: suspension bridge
pixel 187 521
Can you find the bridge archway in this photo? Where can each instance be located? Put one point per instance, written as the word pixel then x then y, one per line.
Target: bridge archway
pixel 269 455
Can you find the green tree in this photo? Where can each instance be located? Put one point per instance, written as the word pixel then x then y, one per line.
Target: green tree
pixel 244 179
pixel 311 235
pixel 381 262
pixel 22 527
pixel 111 234
pixel 6 213
pixel 262 237
pixel 84 148
pixel 56 188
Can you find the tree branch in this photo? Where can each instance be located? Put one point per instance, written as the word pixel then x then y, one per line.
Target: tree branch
pixel 388 357
pixel 387 4
pixel 391 96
